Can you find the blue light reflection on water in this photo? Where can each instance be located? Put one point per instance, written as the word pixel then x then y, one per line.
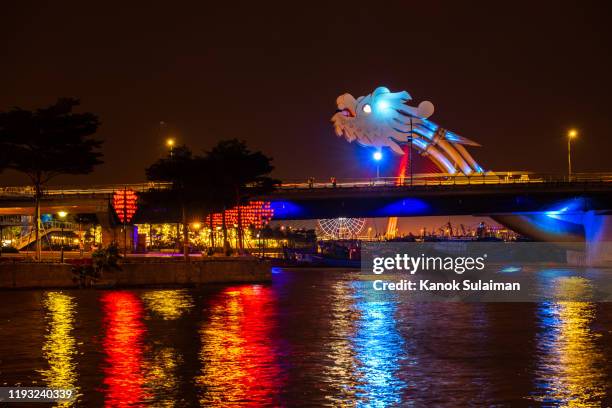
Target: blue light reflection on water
pixel 378 346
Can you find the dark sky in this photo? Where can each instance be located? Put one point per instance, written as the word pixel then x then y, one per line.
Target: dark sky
pixel 514 77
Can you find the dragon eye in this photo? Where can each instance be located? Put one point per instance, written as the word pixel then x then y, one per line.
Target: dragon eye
pixel 367 108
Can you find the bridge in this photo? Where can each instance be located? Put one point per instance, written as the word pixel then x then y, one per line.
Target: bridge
pixel 543 206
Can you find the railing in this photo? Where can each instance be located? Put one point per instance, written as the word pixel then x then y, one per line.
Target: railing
pixel 46 228
pixel 446 179
pixel 422 179
pixel 28 191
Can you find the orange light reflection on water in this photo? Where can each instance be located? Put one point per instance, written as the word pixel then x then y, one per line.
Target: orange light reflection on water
pixel 571 365
pixel 238 360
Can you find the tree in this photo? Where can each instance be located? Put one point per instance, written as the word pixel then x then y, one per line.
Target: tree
pixel 187 173
pixel 46 143
pixel 240 173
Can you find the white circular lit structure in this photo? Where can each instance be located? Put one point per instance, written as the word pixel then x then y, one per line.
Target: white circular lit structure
pixel 342 228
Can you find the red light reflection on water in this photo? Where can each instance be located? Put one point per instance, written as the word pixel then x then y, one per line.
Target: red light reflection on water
pixel 238 359
pixel 122 343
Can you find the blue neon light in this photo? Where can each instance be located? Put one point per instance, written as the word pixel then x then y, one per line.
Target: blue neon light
pixel 420 143
pixel 424 132
pixel 286 209
pixel 429 125
pixel 511 269
pixel 404 207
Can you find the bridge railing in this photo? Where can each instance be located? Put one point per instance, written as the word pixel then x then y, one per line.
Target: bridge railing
pixel 28 191
pixel 420 179
pixel 442 179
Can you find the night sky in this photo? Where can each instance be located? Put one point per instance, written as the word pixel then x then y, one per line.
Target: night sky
pixel 512 77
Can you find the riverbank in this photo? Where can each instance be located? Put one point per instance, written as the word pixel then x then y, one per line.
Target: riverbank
pixel 134 273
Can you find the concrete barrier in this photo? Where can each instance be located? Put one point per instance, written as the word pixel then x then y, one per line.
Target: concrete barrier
pixel 145 272
pixel 37 275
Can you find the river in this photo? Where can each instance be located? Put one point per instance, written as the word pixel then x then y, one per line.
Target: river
pixel 310 338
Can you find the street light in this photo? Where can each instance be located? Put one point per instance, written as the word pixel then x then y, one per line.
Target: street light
pixel 62 215
pixel 170 144
pixel 377 156
pixel 572 134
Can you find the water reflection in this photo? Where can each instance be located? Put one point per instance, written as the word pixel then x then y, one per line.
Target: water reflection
pixel 378 345
pixel 341 374
pixel 161 379
pixel 164 360
pixel 59 348
pixel 238 361
pixel 123 372
pixel 570 369
pixel 169 304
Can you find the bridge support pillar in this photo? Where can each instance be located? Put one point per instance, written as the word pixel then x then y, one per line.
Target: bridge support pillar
pixel 598 237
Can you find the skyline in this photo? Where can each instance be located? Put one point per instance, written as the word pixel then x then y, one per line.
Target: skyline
pixel 516 81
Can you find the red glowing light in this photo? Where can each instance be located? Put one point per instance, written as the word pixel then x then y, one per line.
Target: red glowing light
pixel 255 213
pixel 123 376
pixel 124 203
pixel 240 359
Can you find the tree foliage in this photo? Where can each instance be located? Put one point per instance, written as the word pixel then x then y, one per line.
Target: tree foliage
pixel 216 180
pixel 240 172
pixel 50 141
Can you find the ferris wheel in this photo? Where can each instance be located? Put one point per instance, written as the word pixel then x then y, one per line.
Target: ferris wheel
pixel 341 228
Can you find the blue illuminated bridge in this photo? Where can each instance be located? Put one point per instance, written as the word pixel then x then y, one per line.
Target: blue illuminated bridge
pixel 544 207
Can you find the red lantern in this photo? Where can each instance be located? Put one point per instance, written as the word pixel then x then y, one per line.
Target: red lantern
pixel 255 213
pixel 124 203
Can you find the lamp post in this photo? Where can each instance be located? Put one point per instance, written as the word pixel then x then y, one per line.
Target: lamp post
pixel 62 215
pixel 377 158
pixel 410 152
pixel 572 134
pixel 170 144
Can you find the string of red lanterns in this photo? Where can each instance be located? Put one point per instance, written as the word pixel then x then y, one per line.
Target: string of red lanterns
pixel 255 213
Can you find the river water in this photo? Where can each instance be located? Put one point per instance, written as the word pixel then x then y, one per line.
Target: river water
pixel 310 338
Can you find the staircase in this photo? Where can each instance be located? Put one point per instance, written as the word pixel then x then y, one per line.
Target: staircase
pixel 46 229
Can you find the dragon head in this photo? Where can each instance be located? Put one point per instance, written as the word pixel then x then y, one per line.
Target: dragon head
pixel 383 119
pixel 379 119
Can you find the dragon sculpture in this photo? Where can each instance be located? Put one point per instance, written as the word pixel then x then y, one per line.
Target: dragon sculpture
pixel 383 119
